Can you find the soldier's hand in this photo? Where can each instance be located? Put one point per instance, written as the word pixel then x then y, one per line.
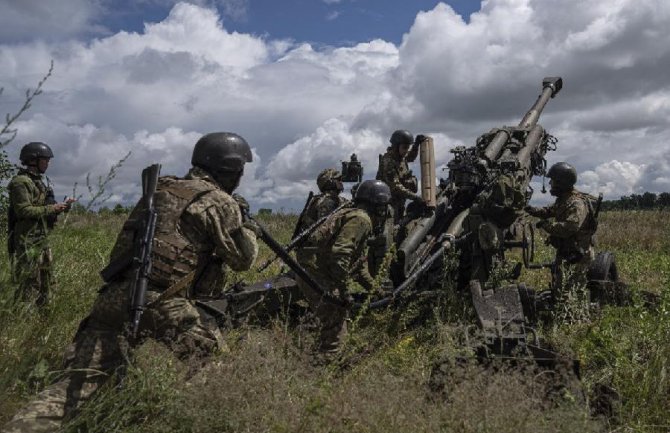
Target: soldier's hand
pixel 541 224
pixel 418 199
pixel 419 139
pixel 68 203
pixel 253 226
pixel 242 203
pixel 61 207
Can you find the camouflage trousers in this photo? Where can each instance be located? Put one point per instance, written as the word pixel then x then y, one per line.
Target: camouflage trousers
pixel 332 318
pixel 32 271
pixel 570 290
pixel 100 350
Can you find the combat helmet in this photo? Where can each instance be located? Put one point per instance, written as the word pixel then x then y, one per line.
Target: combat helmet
pixel 329 180
pixel 374 192
pixel 220 152
pixel 563 175
pixel 35 150
pixel 400 137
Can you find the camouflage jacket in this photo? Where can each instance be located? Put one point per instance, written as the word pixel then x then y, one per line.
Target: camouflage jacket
pixel 573 227
pixel 320 206
pixel 394 171
pixel 337 251
pixel 203 234
pixel 27 196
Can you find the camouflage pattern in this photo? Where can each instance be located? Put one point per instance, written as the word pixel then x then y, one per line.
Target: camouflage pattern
pixel 28 239
pixel 335 254
pixel 394 171
pixel 213 225
pixel 320 206
pixel 571 231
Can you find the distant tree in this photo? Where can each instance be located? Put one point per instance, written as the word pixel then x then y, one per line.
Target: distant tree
pixel 648 200
pixel 119 209
pixel 664 199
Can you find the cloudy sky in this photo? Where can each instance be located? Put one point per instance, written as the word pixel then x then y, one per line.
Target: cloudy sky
pixel 308 82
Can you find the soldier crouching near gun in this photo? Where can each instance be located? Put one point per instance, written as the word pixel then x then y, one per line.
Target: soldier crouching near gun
pixel 335 253
pixel 32 213
pixel 199 230
pixel 394 171
pixel 330 185
pixel 571 232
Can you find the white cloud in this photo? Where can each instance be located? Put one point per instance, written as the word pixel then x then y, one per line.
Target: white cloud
pixel 304 109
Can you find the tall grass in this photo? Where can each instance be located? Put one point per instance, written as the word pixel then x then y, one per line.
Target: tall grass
pixel 268 379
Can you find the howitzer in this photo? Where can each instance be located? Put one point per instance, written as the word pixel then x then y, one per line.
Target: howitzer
pixel 298 240
pixel 143 247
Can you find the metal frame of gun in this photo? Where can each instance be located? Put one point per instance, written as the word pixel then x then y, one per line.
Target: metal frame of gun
pixel 302 237
pixel 292 264
pixel 142 257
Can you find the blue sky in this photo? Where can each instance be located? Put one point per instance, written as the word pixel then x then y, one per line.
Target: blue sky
pixel 309 82
pixel 329 22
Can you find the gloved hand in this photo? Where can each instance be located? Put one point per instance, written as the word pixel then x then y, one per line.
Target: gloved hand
pixel 541 224
pixel 253 226
pixel 242 203
pixel 418 199
pixel 419 139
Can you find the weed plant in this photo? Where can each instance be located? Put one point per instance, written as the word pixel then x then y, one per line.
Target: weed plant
pixel 267 380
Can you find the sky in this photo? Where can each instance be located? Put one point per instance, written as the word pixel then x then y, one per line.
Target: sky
pixel 308 82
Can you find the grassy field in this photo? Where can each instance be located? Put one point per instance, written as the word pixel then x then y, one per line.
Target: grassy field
pixel 267 381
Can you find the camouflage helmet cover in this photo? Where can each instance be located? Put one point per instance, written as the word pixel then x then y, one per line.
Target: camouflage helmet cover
pixel 374 192
pixel 400 137
pixel 221 152
pixel 35 150
pixel 563 175
pixel 328 180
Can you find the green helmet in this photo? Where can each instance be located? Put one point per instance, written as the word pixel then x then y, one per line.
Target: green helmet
pixel 220 152
pixel 374 192
pixel 563 175
pixel 400 137
pixel 35 150
pixel 329 179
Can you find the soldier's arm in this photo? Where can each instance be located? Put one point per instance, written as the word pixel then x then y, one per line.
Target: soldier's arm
pixel 19 197
pixel 362 272
pixel 576 214
pixel 354 232
pixel 392 179
pixel 413 152
pixel 221 220
pixel 540 212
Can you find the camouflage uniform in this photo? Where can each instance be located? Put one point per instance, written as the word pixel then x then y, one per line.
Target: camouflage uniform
pixel 335 253
pixel 199 229
pixel 571 233
pixel 320 206
pixel 394 171
pixel 28 243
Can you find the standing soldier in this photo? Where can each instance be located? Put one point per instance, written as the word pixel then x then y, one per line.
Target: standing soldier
pixel 336 253
pixel 199 231
pixel 571 225
pixel 32 213
pixel 330 185
pixel 394 170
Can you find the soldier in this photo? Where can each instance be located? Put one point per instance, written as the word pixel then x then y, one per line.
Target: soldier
pixel 32 213
pixel 394 171
pixel 335 253
pixel 571 225
pixel 330 185
pixel 199 231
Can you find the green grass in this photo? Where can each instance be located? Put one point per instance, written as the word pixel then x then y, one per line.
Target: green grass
pixel 267 380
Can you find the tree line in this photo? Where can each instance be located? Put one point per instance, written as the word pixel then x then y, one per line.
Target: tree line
pixel 647 200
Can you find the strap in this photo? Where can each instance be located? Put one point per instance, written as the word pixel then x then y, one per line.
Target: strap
pixel 177 287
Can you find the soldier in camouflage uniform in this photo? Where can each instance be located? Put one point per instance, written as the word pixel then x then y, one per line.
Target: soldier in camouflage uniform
pixel 394 171
pixel 570 223
pixel 336 253
pixel 200 230
pixel 330 185
pixel 32 213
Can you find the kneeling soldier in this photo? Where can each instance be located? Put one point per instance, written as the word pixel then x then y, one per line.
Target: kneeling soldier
pixel 335 253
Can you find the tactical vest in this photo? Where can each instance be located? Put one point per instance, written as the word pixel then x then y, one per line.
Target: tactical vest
pixel 173 255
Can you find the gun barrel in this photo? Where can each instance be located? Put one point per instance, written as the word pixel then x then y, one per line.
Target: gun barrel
pixel 550 87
